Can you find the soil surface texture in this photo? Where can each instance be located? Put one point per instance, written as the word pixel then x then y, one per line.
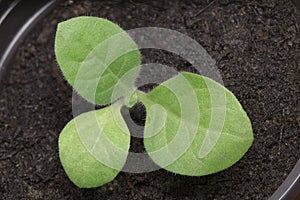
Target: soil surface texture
pixel 256 46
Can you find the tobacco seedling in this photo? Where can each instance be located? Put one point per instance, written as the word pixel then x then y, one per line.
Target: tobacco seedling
pixel 194 126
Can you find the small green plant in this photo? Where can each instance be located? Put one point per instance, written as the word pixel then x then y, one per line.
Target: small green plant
pixel 194 126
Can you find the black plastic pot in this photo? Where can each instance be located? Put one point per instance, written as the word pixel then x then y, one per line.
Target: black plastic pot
pixel 18 17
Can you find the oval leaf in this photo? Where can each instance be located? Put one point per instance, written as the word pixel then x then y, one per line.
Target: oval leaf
pixel 93 147
pixel 97 58
pixel 195 126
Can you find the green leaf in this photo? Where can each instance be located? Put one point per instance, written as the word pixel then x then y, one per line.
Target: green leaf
pixel 93 147
pixel 195 126
pixel 97 58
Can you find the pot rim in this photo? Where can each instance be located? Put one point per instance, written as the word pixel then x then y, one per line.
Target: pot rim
pixel 28 15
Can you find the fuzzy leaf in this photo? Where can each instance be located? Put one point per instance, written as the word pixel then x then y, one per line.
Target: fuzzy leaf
pixel 97 58
pixel 93 147
pixel 195 126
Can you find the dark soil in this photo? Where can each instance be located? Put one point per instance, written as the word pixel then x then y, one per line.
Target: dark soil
pixel 256 47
